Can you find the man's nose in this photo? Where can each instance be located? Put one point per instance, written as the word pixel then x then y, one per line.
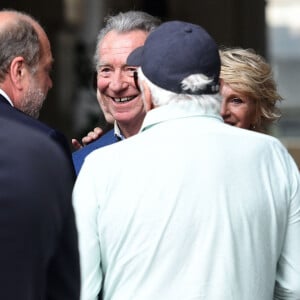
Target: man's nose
pixel 119 81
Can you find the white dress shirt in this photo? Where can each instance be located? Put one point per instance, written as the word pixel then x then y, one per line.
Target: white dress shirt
pixel 189 209
pixel 6 97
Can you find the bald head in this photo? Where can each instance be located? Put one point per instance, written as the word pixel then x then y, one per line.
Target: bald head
pixel 13 16
pixel 10 17
pixel 25 61
pixel 18 37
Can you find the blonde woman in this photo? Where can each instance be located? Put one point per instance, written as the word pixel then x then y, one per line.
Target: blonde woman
pixel 248 90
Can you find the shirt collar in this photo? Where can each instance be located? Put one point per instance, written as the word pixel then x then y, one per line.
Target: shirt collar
pixel 176 111
pixel 118 133
pixel 6 97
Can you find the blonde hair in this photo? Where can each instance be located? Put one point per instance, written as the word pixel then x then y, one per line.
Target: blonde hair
pixel 248 73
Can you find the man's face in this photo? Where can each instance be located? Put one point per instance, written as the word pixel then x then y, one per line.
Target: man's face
pixel 39 83
pixel 115 82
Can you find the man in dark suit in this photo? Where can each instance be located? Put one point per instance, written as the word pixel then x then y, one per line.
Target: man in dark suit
pixel 25 65
pixel 38 237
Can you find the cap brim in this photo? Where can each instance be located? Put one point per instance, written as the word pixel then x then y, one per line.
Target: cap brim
pixel 135 57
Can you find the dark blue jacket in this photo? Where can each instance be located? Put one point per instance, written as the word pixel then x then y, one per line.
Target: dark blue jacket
pixel 39 256
pixel 79 155
pixel 13 113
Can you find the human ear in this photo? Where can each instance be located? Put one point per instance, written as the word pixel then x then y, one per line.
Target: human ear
pixel 17 71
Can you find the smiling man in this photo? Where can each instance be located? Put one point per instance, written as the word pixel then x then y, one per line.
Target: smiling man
pixel 118 95
pixel 115 80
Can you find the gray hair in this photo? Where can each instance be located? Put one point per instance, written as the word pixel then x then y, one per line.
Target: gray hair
pixel 126 22
pixel 209 103
pixel 18 38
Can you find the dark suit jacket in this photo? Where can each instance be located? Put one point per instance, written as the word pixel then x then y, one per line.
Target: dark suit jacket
pixel 13 113
pixel 39 257
pixel 79 155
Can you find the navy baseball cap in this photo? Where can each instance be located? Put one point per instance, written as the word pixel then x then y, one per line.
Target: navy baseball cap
pixel 176 50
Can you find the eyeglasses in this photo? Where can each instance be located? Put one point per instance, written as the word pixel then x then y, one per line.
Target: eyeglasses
pixel 136 80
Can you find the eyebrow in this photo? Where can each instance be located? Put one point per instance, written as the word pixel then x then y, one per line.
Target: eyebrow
pixel 110 65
